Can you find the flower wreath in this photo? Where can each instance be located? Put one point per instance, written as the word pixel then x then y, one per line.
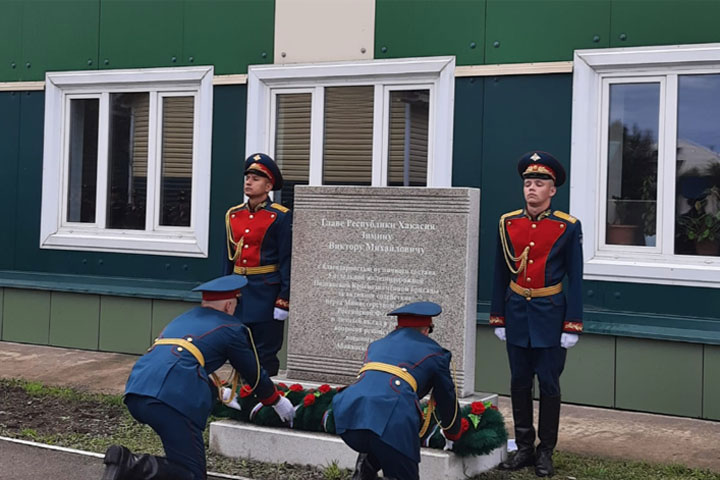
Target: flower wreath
pixel 482 425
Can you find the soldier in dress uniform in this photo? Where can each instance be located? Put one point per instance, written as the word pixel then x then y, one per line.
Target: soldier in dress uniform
pixel 169 387
pixel 258 246
pixel 537 247
pixel 379 415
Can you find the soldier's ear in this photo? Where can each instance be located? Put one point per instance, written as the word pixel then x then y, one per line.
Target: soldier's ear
pixel 553 190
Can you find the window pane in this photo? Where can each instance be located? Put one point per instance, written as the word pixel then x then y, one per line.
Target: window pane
pixel 292 143
pixel 697 203
pixel 128 160
pixel 408 142
pixel 177 157
pixel 82 171
pixel 347 151
pixel 632 164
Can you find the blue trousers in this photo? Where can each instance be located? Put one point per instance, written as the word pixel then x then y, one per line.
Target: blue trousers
pixel 181 438
pixel 268 338
pixel 381 455
pixel 546 363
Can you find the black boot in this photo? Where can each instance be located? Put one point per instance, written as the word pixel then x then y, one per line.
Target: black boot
pixel 548 434
pixel 122 464
pixel 522 408
pixel 364 470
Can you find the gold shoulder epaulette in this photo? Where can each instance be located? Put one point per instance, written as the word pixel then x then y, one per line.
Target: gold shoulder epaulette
pixel 236 207
pixel 511 214
pixel 282 208
pixel 565 216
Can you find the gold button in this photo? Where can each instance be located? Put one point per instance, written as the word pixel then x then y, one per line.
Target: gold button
pixel 562 225
pixel 532 244
pixel 272 216
pixel 531 261
pixel 397 382
pixel 246 246
pixel 404 369
pixel 534 225
pixel 232 216
pixel 189 339
pixel 247 230
pixel 244 260
pixel 509 223
pixel 179 349
pixel 528 298
pixel 252 216
pixel 528 279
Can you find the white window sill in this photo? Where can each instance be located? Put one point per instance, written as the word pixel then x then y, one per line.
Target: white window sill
pixel 127 241
pixel 695 272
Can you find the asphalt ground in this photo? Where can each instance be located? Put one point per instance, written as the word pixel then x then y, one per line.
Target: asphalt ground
pixel 583 430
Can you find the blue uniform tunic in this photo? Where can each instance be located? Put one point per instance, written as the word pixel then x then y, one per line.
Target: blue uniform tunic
pixel 387 405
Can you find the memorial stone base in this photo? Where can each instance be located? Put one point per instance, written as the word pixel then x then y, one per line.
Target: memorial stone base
pixel 276 445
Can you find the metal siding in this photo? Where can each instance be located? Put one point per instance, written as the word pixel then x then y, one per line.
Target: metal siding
pixel 467 135
pixel 521 113
pixel 125 324
pixel 492 371
pixel 138 34
pixel 431 27
pixel 163 312
pixel 10 40
pixel 663 22
pixel 589 376
pixel 74 320
pixel 544 30
pixel 228 34
pixel 26 316
pixel 59 35
pixel 9 132
pixel 660 377
pixel 711 386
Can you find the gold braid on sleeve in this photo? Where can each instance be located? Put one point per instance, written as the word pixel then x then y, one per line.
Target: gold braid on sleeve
pixel 509 259
pixel 234 248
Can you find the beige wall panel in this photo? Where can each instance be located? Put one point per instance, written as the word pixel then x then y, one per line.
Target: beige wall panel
pixel 324 30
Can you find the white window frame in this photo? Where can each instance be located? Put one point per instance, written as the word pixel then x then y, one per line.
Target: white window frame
pixel 436 74
pixel 60 88
pixel 593 71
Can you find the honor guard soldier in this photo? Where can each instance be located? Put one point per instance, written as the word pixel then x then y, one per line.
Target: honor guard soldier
pixel 379 415
pixel 258 245
pixel 537 247
pixel 169 387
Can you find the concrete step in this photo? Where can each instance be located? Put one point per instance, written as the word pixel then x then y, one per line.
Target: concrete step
pixel 243 440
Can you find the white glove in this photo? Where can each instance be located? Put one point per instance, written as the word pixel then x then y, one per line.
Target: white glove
pixel 448 444
pixel 500 333
pixel 226 393
pixel 284 409
pixel 280 314
pixel 568 340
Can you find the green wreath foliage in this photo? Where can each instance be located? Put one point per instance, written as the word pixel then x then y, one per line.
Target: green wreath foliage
pixel 482 424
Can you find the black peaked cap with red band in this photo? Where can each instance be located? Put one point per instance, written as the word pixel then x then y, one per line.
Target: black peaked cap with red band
pixel 539 164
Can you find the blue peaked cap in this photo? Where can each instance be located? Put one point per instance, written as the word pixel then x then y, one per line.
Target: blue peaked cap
pixel 263 165
pixel 423 309
pixel 226 283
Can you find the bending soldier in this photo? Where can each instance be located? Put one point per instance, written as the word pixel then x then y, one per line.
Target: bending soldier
pixel 169 387
pixel 379 415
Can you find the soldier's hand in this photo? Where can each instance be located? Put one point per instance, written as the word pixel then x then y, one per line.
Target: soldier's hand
pixel 568 340
pixel 226 394
pixel 284 409
pixel 500 333
pixel 280 314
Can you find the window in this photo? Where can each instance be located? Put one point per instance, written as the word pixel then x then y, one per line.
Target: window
pixel 645 161
pixel 126 163
pixel 378 123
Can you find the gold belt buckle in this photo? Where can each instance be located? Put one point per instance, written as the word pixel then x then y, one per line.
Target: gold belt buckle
pixel 528 293
pixel 243 270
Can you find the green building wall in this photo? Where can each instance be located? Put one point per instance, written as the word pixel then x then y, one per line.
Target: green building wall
pixel 640 337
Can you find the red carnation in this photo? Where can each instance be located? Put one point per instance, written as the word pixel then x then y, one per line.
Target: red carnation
pixel 493 407
pixel 245 391
pixel 296 387
pixel 324 388
pixel 309 399
pixel 477 408
pixel 282 385
pixel 464 425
